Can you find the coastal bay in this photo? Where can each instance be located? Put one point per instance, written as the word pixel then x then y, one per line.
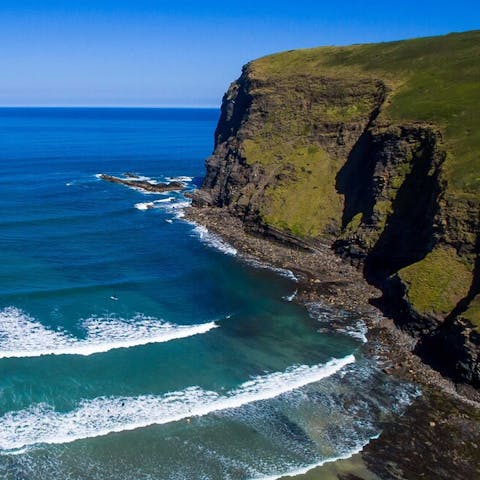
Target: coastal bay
pixel 134 341
pixel 239 242
pixel 443 410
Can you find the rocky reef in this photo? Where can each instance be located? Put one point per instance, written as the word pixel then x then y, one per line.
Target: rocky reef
pixel 133 181
pixel 374 151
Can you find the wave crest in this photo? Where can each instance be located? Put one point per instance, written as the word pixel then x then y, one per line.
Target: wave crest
pixel 23 336
pixel 41 424
pixel 213 240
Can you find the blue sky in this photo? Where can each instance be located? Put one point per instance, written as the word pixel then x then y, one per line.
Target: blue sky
pixel 184 53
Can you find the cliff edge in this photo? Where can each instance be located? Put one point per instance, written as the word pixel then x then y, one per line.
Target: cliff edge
pixel 374 150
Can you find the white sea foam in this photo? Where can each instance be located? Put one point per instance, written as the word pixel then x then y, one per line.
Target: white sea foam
pixel 213 240
pixel 338 321
pixel 41 424
pixel 141 178
pixel 177 208
pixel 135 178
pixel 289 298
pixel 23 336
pixel 144 205
pixel 281 271
pixel 180 178
pixel 170 205
pixel 165 200
pixel 154 204
pixel 143 191
pixel 358 330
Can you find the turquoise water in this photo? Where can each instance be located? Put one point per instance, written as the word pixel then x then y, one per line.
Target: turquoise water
pixel 134 345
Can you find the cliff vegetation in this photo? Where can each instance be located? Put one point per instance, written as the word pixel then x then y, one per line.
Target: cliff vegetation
pixel 373 149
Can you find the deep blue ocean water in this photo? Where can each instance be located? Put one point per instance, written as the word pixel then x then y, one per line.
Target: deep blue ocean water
pixel 134 345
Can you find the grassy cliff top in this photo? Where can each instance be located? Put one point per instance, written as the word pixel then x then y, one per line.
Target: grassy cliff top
pixel 309 109
pixel 432 80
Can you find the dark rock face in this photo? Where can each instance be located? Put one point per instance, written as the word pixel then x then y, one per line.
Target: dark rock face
pixel 396 209
pixel 380 172
pixel 452 348
pixel 226 171
pixel 143 184
pixel 233 181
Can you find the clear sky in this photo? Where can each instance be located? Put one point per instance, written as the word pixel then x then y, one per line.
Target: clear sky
pixel 184 53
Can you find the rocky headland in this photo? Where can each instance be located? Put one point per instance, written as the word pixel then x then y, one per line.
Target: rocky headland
pixel 357 168
pixel 373 151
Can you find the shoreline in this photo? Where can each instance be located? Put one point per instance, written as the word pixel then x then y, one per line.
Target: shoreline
pixel 439 425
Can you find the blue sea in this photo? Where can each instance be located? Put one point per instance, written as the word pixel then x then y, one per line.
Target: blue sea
pixel 135 345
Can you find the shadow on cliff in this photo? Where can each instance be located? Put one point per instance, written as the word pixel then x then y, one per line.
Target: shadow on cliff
pixel 446 349
pixel 410 232
pixel 354 180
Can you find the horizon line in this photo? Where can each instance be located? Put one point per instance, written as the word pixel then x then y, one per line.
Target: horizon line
pixel 199 107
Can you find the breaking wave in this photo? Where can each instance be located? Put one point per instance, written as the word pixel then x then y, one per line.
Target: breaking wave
pixel 290 298
pixel 284 272
pixel 213 240
pixel 181 178
pixel 154 204
pixel 22 336
pixel 41 424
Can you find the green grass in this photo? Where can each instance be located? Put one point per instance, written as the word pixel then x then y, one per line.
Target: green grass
pixel 434 80
pixel 438 282
pixel 353 225
pixel 472 314
pixel 304 200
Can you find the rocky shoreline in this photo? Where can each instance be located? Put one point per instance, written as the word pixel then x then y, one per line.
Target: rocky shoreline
pixel 439 434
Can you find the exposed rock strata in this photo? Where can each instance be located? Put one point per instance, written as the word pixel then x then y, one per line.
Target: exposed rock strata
pixel 382 202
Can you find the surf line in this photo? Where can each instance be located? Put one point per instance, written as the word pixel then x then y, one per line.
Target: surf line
pixel 22 336
pixel 41 424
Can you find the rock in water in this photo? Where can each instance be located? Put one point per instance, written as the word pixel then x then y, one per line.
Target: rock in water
pixel 144 184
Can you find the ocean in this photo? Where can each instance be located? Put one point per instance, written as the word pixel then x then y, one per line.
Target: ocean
pixel 136 345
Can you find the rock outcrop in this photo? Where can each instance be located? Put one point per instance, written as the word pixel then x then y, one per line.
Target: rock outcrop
pixel 148 186
pixel 352 147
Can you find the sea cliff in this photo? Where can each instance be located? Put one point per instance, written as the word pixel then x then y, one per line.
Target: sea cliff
pixel 372 151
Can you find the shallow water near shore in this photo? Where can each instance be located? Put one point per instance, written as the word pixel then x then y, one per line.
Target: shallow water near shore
pixel 135 345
